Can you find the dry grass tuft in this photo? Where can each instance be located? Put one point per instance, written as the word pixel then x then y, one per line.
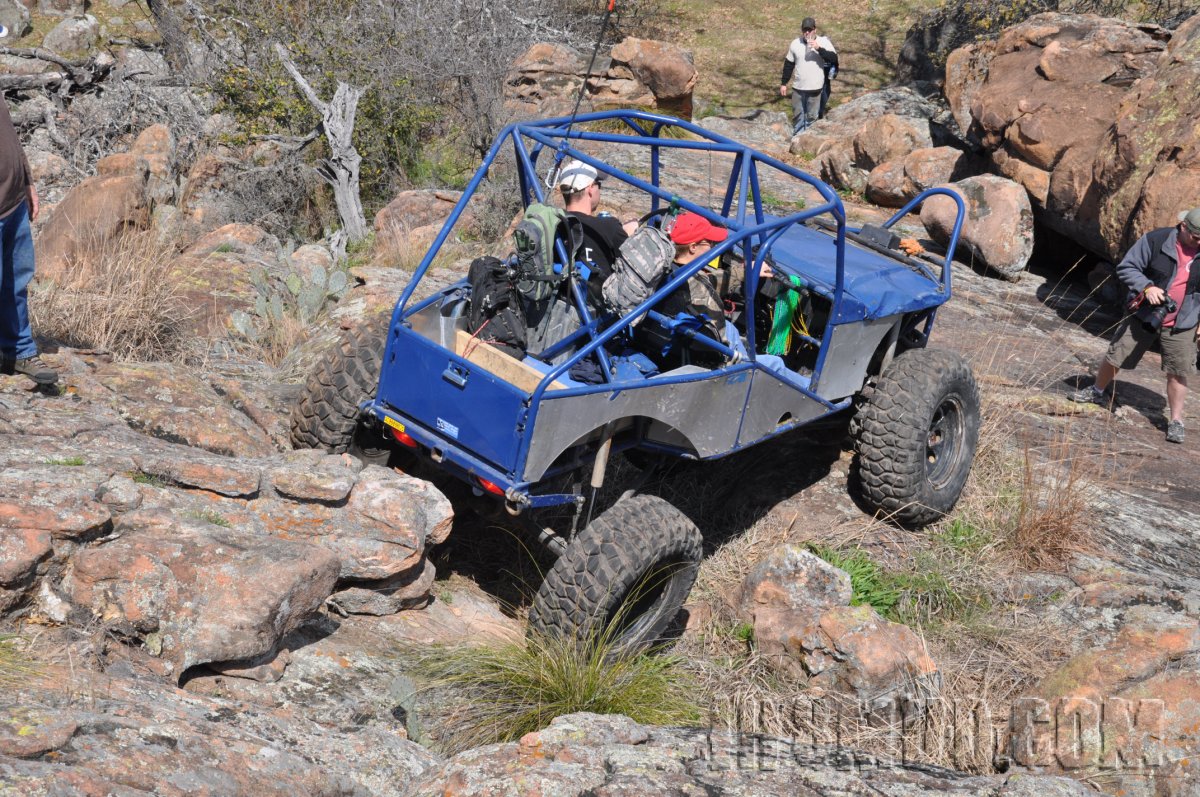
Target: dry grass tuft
pixel 489 693
pixel 119 297
pixel 16 667
pixel 1048 527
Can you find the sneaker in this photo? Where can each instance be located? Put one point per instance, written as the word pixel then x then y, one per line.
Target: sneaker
pixel 1090 395
pixel 36 369
pixel 1175 432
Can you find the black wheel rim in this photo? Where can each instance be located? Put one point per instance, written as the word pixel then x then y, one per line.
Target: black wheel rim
pixel 634 619
pixel 944 443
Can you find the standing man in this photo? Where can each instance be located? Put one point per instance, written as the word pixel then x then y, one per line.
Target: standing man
pixel 602 234
pixel 807 59
pixel 1164 283
pixel 18 206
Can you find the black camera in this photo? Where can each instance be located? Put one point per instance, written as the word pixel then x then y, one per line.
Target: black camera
pixel 1158 312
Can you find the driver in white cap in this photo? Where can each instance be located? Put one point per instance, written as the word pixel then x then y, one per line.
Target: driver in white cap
pixel 602 234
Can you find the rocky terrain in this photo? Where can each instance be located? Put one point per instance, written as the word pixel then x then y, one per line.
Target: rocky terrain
pixel 201 610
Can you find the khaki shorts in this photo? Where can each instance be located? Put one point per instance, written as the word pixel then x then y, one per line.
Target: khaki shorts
pixel 1132 340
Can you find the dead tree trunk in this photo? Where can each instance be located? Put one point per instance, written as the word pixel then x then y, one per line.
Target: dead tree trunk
pixel 340 169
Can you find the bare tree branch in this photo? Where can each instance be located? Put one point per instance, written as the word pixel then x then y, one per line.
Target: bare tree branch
pixel 309 94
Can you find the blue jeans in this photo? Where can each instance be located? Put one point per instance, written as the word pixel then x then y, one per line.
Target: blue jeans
pixel 806 106
pixel 16 337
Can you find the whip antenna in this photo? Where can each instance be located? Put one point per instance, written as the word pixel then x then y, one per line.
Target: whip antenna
pixel 612 6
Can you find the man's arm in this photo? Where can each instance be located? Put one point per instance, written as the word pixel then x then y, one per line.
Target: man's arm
pixel 789 66
pixel 1132 269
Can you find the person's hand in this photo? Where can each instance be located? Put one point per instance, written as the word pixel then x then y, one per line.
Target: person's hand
pixel 33 203
pixel 1155 294
pixel 783 91
pixel 630 226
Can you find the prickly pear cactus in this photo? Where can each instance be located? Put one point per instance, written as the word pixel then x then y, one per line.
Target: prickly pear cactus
pixel 302 294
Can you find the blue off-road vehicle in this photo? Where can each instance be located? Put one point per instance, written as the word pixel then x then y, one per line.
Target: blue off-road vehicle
pixel 820 319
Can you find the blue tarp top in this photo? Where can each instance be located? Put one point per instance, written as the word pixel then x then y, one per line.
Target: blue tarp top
pixel 876 285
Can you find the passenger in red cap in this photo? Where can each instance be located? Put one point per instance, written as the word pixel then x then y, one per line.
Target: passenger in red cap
pixel 692 228
pixel 693 235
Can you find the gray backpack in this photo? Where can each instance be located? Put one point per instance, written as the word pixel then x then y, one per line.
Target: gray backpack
pixel 645 258
pixel 534 240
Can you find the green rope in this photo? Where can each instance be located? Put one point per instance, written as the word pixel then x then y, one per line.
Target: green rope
pixel 779 342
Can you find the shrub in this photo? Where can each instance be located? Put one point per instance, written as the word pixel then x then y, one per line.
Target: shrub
pixel 119 296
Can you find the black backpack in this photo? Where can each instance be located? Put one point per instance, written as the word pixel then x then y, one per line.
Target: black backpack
pixel 495 314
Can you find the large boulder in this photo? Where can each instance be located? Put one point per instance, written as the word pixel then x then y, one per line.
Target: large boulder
pixel 666 69
pixel 804 625
pixel 998 229
pixel 1092 116
pixel 406 226
pixel 871 130
pixel 639 73
pixel 90 215
pixel 73 35
pixel 14 15
pixel 895 182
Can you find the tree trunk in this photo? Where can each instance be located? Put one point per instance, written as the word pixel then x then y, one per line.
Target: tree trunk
pixel 340 169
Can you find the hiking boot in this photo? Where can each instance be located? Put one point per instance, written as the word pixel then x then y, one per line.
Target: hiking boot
pixel 1175 432
pixel 1090 395
pixel 36 369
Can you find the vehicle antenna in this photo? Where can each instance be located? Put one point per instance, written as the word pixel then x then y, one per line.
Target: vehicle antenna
pixel 612 6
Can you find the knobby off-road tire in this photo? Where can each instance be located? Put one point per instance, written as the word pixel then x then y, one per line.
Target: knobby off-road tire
pixel 326 415
pixel 915 435
pixel 623 579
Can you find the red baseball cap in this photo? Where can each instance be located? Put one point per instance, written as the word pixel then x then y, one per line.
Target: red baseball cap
pixel 692 227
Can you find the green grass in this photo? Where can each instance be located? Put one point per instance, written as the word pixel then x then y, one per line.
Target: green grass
pixel 224 248
pixel 498 692
pixel 869 583
pixel 964 536
pixel 148 479
pixel 73 462
pixel 209 516
pixel 935 587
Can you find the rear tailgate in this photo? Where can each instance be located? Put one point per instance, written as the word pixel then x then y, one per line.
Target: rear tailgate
pixel 476 402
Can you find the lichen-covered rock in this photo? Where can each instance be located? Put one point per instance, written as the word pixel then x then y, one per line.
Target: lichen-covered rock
pixel 197 592
pixel 176 406
pixel 138 737
pixel 803 624
pixel 589 754
pixel 997 231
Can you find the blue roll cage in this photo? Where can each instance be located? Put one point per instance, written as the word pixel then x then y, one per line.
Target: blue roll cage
pixel 750 229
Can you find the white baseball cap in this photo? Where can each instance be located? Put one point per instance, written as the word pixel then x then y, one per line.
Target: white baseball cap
pixel 577 175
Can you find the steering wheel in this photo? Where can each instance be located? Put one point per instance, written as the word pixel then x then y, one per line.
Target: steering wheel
pixel 652 214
